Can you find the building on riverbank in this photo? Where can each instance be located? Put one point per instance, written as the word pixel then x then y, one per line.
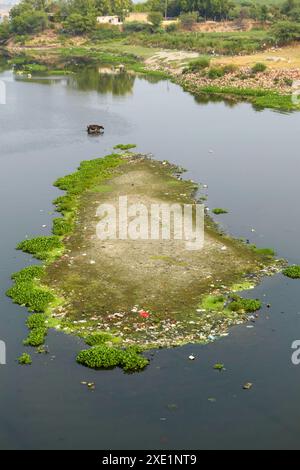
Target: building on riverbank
pixel 113 20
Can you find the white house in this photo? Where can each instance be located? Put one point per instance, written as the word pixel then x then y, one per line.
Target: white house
pixel 114 20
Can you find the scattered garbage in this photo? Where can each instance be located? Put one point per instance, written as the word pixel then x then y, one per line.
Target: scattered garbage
pixel 144 314
pixel 247 386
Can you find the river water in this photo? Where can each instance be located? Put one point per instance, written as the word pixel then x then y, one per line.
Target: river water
pixel 250 161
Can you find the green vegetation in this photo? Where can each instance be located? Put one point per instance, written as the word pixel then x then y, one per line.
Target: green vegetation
pixel 99 338
pixel 219 211
pixel 105 357
pixel 36 320
pixel 155 18
pixel 31 273
pixel 36 299
pixel 268 252
pixel 292 271
pixel 25 359
pixel 258 97
pixel 36 337
pixel 230 302
pixel 199 64
pixel 124 146
pixel 43 248
pixel 206 43
pixel 213 303
pixel 219 367
pixel 259 68
pixel 244 305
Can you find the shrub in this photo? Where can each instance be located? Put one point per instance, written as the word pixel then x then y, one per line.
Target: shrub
pixel 215 72
pixel 155 18
pixel 36 320
pixel 135 27
pixel 36 337
pixel 245 305
pixel 199 64
pixel 25 359
pixel 292 271
pixel 171 28
pixel 285 32
pixel 259 68
pixel 230 68
pixel 188 20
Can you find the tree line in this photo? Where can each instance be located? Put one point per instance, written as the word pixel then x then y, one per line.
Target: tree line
pixel 80 16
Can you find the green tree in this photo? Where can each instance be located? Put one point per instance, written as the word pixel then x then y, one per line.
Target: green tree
pixel 155 18
pixel 188 20
pixel 285 32
pixel 79 24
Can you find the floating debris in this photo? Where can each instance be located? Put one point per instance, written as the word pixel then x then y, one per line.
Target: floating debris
pixel 247 386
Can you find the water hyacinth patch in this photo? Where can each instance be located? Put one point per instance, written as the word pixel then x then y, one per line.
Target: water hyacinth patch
pixel 106 357
pixel 124 146
pixel 36 337
pixel 25 359
pixel 292 272
pixel 36 299
pixel 245 305
pixel 36 320
pixel 42 247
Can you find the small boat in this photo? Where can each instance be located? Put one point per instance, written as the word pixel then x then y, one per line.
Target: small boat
pixel 95 129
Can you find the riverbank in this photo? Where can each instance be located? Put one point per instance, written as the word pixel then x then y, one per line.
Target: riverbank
pixel 125 293
pixel 274 85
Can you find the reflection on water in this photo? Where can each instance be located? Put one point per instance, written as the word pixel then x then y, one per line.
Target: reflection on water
pixel 93 79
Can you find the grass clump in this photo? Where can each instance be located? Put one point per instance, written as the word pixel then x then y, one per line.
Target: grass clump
pixel 245 305
pixel 124 146
pixel 42 247
pixel 198 64
pixel 36 320
pixel 259 68
pixel 106 357
pixel 36 337
pixel 213 303
pixel 62 226
pixel 219 211
pixel 216 72
pixel 292 272
pixel 98 338
pixel 268 252
pixel 88 172
pixel 25 359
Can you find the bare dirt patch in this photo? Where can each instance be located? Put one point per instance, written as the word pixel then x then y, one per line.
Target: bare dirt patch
pixel 107 283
